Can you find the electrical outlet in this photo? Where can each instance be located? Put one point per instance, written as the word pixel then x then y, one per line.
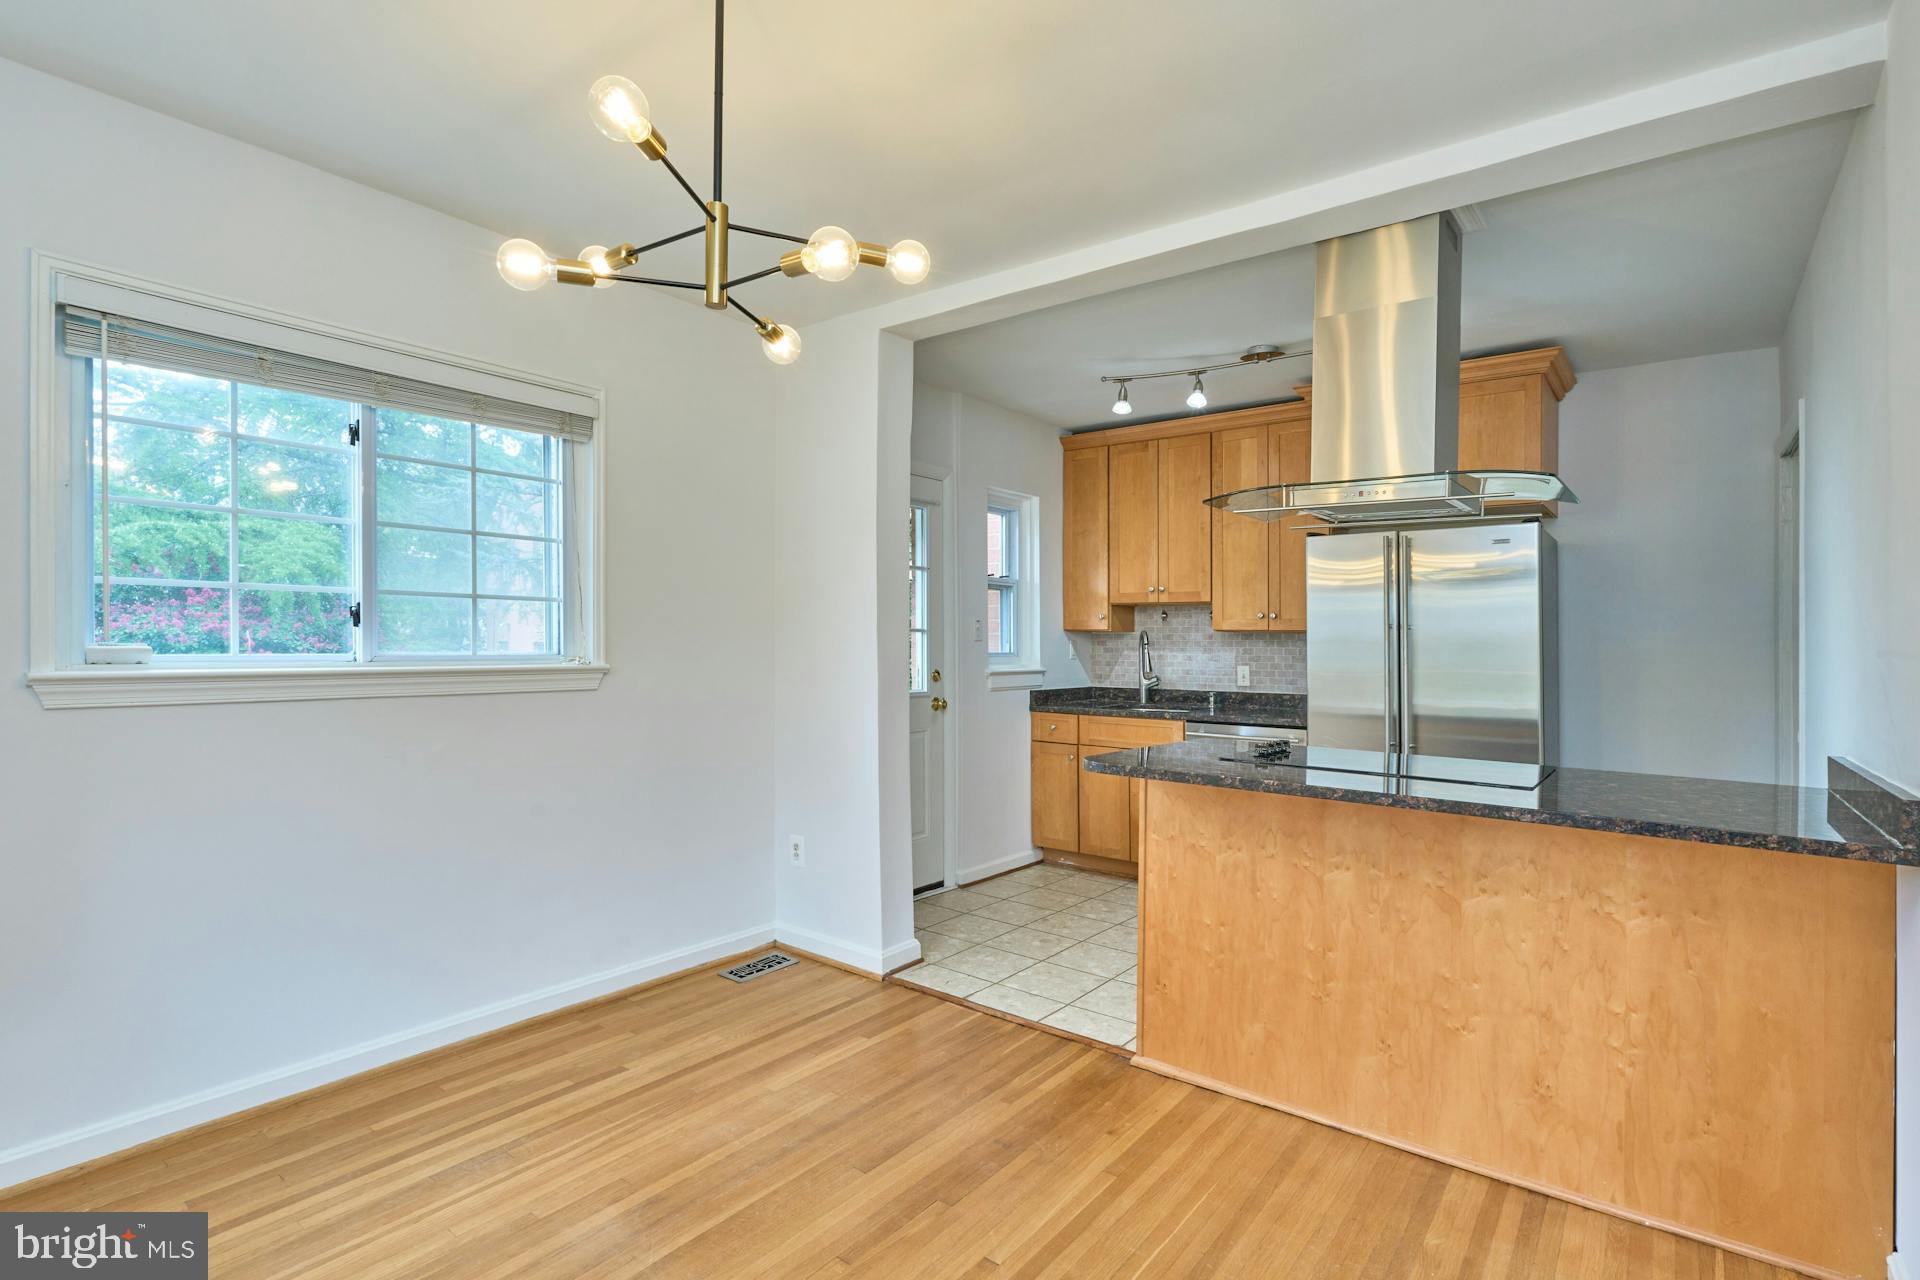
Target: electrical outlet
pixel 1243 675
pixel 797 850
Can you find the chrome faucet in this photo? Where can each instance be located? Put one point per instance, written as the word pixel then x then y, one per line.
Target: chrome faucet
pixel 1148 681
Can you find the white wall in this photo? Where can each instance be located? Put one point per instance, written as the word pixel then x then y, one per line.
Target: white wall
pixel 1667 568
pixel 1850 352
pixel 199 900
pixel 985 446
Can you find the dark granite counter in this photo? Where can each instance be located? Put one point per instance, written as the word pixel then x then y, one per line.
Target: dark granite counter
pixel 1278 710
pixel 1755 815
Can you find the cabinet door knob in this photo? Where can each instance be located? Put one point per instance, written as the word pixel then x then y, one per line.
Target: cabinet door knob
pixel 1261 615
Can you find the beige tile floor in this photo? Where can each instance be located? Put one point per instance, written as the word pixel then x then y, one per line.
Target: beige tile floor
pixel 1050 944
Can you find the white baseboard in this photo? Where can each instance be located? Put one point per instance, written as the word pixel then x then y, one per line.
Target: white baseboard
pixel 1018 858
pixel 899 954
pixel 48 1155
pixel 1897 1269
pixel 865 959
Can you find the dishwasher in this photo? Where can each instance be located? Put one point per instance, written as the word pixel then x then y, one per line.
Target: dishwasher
pixel 1258 741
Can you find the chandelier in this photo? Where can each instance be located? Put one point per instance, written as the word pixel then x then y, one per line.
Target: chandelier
pixel 622 113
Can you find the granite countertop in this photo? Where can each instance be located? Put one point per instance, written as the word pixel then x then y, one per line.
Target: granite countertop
pixel 1275 710
pixel 1808 820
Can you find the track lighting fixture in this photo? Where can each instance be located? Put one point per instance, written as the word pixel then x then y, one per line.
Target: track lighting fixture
pixel 621 112
pixel 1196 398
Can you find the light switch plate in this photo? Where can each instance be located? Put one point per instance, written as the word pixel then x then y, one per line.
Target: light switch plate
pixel 1243 675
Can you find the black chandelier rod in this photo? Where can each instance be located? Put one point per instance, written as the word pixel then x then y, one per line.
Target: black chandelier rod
pixel 688 188
pixel 667 284
pixel 771 235
pixel 758 275
pixel 667 240
pixel 758 323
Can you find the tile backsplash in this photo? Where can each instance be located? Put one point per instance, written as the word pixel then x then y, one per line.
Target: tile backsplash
pixel 1189 654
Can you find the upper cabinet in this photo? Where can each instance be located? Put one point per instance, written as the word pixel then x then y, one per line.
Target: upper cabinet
pixel 1138 530
pixel 1160 543
pixel 1259 567
pixel 1086 604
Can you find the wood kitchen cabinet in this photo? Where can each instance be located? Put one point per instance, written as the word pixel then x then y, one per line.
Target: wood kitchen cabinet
pixel 1094 817
pixel 1086 604
pixel 1160 528
pixel 1260 566
pixel 1056 795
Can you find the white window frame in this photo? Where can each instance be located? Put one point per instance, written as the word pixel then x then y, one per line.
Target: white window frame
pixel 59 596
pixel 1020 669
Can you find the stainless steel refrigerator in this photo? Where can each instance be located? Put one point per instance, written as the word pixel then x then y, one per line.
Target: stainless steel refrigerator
pixel 1432 645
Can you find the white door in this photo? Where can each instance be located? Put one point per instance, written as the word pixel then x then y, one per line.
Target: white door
pixel 926 689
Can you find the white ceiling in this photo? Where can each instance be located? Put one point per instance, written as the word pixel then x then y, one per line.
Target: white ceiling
pixel 999 131
pixel 1692 254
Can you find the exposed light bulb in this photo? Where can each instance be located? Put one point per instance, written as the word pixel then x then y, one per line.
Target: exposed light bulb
pixel 1122 405
pixel 781 342
pixel 523 264
pixel 831 254
pixel 1197 398
pixel 909 262
pixel 595 256
pixel 620 110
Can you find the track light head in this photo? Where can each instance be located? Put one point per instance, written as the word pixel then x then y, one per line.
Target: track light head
pixel 1121 404
pixel 1197 398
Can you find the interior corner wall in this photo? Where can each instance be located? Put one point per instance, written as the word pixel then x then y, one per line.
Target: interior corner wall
pixel 1667 636
pixel 1850 355
pixel 823 629
pixel 986 446
pixel 205 907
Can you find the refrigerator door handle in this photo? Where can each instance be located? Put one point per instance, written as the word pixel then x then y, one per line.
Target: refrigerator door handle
pixel 1389 648
pixel 1405 629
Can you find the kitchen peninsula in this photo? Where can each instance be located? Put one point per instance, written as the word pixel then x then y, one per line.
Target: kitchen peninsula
pixel 1669 998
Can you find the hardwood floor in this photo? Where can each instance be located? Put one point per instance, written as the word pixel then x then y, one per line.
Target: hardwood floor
pixel 815 1124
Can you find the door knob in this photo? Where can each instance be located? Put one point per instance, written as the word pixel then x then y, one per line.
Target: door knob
pixel 938 704
pixel 935 676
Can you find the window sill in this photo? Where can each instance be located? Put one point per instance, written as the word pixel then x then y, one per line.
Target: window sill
pixel 1004 678
pixel 147 686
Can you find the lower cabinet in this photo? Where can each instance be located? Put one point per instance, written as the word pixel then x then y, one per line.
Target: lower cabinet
pixel 1056 795
pixel 1094 814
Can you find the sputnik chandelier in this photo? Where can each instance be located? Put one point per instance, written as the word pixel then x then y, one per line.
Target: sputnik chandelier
pixel 1197 398
pixel 622 113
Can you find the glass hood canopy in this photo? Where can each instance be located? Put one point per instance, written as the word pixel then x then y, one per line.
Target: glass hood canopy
pixel 1441 495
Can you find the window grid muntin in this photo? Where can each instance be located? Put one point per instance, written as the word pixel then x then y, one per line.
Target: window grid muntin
pixel 552 480
pixel 101 421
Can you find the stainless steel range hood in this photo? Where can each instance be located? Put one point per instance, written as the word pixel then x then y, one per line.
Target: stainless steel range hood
pixel 1386 389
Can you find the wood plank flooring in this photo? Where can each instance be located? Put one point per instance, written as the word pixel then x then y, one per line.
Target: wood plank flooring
pixel 815 1124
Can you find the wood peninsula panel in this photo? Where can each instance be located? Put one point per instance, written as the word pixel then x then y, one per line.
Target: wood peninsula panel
pixel 1697 1035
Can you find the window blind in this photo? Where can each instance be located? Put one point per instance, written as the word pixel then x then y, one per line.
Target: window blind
pixel 149 343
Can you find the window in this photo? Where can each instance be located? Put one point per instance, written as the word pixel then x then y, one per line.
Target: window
pixel 917 556
pixel 246 509
pixel 1011 627
pixel 1003 582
